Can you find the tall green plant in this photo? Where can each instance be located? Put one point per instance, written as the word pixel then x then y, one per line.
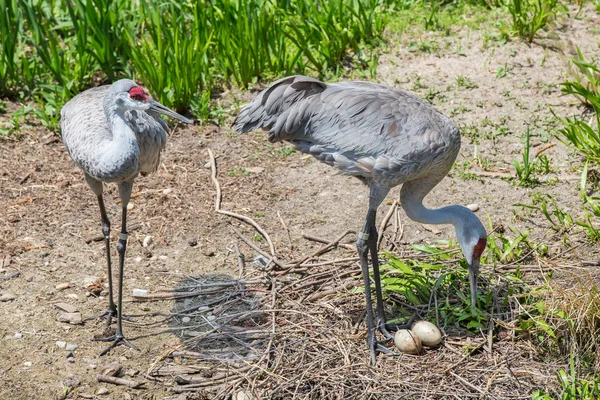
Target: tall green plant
pixel 170 53
pixel 529 16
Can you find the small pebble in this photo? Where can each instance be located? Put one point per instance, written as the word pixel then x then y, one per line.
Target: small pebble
pixel 130 206
pixel 72 318
pixel 71 347
pixel 185 320
pixel 71 359
pixel 147 241
pixel 7 297
pixel 62 286
pixel 66 307
pixel 167 191
pixel 18 335
pixel 15 274
pixel 4 277
pixel 138 259
pixel 208 253
pixel 163 258
pixel 473 207
pixel 70 354
pixel 140 292
pixel 60 344
pixel 28 363
pixel 73 296
pixel 193 242
pixel 89 280
pixel 102 391
pixel 211 317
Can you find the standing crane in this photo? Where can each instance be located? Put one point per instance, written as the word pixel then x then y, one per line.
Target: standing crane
pixel 382 135
pixel 113 133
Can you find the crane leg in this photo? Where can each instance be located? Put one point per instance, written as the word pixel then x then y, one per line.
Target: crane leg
pixel 112 308
pixel 365 243
pixel 118 338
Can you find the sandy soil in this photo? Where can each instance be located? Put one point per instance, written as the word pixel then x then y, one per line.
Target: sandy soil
pixel 48 215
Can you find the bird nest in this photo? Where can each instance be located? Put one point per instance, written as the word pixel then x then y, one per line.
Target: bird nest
pixel 282 330
pixel 299 333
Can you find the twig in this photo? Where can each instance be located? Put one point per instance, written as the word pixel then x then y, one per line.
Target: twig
pixel 489 174
pixel 385 221
pixel 119 381
pixel 316 253
pixel 287 231
pixel 466 382
pixel 543 149
pixel 248 220
pixel 257 249
pixel 240 258
pixel 321 240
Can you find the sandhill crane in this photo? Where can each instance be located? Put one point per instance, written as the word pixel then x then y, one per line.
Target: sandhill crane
pixel 383 135
pixel 114 132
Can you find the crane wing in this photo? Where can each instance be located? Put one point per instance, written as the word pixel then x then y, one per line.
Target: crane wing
pixel 361 128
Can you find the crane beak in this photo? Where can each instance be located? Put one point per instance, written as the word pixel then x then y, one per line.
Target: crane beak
pixel 473 274
pixel 159 108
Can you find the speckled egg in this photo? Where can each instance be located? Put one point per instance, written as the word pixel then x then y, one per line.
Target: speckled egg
pixel 407 342
pixel 429 334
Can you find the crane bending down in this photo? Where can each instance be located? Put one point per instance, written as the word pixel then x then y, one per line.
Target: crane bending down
pixel 114 132
pixel 383 135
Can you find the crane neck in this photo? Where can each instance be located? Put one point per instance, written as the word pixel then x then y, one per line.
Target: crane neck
pixel 412 195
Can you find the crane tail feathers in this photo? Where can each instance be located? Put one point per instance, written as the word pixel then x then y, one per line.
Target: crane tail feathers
pixel 270 108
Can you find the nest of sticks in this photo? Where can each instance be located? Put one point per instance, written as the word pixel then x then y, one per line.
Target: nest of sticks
pixel 282 330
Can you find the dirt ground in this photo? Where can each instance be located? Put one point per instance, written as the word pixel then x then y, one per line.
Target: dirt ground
pixel 49 219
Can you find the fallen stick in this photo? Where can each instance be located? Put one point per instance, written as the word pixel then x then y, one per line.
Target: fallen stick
pixel 316 253
pixel 385 221
pixel 543 149
pixel 321 240
pixel 287 231
pixel 257 249
pixel 213 168
pixel 119 381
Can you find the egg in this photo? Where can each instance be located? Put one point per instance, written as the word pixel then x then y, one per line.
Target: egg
pixel 429 334
pixel 407 342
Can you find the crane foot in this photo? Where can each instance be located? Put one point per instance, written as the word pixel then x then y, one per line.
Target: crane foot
pixel 117 339
pixel 109 314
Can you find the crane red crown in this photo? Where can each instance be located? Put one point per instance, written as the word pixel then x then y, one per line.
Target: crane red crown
pixel 479 247
pixel 137 93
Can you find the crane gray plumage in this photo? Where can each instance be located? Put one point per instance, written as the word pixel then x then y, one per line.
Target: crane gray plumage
pixel 85 130
pixel 114 132
pixel 381 134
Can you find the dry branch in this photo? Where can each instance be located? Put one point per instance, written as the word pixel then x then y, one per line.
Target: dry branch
pixel 248 220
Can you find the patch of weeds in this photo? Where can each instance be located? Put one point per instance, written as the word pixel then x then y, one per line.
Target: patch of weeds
pixel 3 107
pixel 581 134
pixel 502 249
pixel 465 82
pixel 527 169
pixel 417 83
pixel 413 282
pixel 285 151
pixel 503 70
pixel 591 206
pixel 560 220
pixel 259 213
pixel 572 386
pixel 529 16
pixel 461 109
pixel 565 321
pixel 238 171
pixel 427 46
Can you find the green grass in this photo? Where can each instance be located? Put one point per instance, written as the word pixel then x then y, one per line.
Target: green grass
pixel 182 51
pixel 529 16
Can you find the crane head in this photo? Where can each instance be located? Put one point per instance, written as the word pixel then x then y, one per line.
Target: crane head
pixel 472 238
pixel 130 96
